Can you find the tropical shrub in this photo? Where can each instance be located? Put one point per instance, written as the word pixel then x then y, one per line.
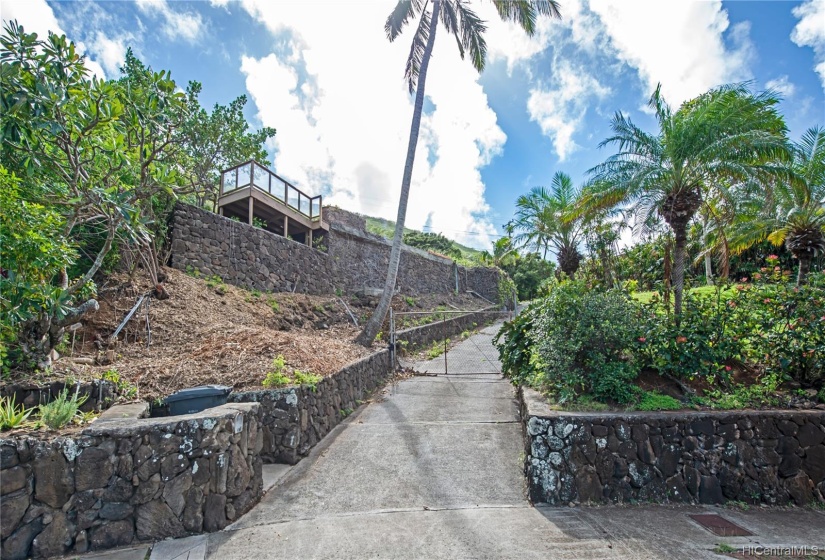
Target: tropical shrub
pixel 582 338
pixel 514 343
pixel 700 344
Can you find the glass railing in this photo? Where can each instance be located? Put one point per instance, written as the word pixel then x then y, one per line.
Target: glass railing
pixel 258 176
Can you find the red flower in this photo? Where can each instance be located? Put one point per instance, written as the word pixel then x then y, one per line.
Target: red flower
pixel 728 368
pixel 681 339
pixel 643 339
pixel 773 257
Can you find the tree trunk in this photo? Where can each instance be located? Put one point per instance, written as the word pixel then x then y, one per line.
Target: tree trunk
pixel 679 269
pixel 668 265
pixel 708 262
pixel 804 269
pixel 372 326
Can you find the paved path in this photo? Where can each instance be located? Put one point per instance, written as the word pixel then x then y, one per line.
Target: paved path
pixel 471 356
pixel 432 470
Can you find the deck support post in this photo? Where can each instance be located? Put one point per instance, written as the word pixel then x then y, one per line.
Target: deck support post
pixel 251 208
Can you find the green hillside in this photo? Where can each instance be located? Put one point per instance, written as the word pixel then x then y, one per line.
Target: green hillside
pixel 386 228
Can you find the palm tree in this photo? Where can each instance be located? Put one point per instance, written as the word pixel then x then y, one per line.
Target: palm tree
pixel 795 212
pixel 468 29
pixel 727 133
pixel 548 219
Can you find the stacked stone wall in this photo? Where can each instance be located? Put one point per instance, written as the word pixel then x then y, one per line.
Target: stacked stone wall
pixel 128 480
pixel 769 456
pixel 351 261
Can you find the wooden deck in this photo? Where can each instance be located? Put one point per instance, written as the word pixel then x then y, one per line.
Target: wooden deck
pixel 253 194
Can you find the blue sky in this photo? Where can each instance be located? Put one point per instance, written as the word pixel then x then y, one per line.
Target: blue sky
pixel 324 75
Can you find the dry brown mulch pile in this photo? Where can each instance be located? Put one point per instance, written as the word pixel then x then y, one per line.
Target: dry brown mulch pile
pixel 209 332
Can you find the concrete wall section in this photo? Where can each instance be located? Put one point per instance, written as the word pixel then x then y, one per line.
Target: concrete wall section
pixel 769 456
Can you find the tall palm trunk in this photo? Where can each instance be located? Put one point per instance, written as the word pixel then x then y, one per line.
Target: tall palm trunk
pixel 804 269
pixel 679 250
pixel 708 262
pixel 372 327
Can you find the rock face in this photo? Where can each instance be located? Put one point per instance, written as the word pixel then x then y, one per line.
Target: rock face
pixel 123 480
pixel 256 259
pixel 770 457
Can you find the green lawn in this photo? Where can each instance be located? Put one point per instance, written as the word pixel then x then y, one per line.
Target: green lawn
pixel 645 297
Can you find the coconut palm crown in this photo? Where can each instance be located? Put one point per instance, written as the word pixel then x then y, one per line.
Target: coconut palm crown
pixel 794 211
pixel 546 219
pixel 725 136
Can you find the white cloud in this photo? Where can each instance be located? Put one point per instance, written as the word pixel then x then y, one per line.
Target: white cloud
pixel 680 45
pixel 810 32
pixel 36 16
pixel 782 85
pixel 188 26
pixel 560 109
pixel 337 97
pixel 110 52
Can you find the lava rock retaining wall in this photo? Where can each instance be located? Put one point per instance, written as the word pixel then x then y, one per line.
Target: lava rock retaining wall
pixel 294 419
pixel 772 457
pixel 355 259
pixel 417 337
pixel 129 480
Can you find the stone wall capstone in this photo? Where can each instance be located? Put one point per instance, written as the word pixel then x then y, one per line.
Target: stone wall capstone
pixel 127 480
pixel 355 259
pixel 755 456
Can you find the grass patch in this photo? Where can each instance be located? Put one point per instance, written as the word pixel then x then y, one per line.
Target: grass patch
pixel 651 400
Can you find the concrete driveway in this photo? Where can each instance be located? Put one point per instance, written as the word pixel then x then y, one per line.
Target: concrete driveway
pixel 432 469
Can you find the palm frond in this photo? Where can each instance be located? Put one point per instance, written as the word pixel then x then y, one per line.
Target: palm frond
pixel 471 28
pixel 525 12
pixel 417 50
pixel 450 20
pixel 400 15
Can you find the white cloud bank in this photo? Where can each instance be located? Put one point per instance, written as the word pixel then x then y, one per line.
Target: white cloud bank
pixel 336 94
pixel 810 32
pixel 36 16
pixel 188 26
pixel 680 44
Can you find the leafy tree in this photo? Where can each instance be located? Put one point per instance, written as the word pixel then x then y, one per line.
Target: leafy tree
pixel 432 242
pixel 725 135
pixel 218 140
pixel 529 272
pixel 504 253
pixel 468 29
pixel 795 211
pixel 547 219
pixel 95 152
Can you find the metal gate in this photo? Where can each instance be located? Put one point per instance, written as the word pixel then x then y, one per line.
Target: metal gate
pixel 446 342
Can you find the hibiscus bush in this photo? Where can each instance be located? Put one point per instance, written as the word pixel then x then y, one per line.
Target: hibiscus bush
pixel 580 342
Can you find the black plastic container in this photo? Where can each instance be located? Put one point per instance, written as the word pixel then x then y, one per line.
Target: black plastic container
pixel 196 399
